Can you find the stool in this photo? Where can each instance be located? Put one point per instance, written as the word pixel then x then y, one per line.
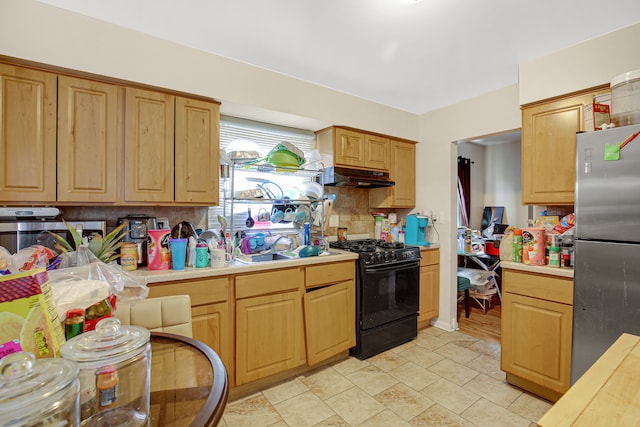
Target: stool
pixel 464 285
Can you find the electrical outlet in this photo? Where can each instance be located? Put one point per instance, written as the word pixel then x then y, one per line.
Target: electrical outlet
pixel 334 220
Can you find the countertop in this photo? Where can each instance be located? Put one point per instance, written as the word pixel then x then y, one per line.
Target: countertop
pixel 607 394
pixel 155 276
pixel 542 269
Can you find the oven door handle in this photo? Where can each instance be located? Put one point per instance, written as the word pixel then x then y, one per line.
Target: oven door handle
pixel 394 267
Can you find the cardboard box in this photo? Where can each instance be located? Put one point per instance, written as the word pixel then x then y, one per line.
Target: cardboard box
pixel 595 115
pixel 28 314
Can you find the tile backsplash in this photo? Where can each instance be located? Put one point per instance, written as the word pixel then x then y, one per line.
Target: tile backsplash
pixel 352 208
pixel 196 215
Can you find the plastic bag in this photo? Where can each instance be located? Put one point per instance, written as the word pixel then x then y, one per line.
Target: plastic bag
pixel 84 282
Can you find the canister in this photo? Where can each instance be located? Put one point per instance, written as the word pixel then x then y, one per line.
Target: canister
pixel 115 373
pixel 129 256
pixel 38 392
pixel 534 245
pixel 159 254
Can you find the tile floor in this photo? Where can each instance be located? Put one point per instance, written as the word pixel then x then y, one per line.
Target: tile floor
pixel 439 379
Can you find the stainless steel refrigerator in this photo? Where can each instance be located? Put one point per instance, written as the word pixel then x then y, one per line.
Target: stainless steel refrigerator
pixel 607 244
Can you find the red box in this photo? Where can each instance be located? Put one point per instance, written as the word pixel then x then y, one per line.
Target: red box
pixel 492 247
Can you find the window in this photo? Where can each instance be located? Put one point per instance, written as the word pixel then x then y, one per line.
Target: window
pixel 266 136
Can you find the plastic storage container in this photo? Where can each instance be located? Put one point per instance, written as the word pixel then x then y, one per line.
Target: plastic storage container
pixel 41 392
pixel 115 373
pixel 625 99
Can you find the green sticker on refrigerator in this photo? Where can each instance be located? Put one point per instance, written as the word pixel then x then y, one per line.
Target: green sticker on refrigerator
pixel 612 152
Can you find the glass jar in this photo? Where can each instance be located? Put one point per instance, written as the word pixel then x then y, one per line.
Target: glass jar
pixel 42 392
pixel 115 373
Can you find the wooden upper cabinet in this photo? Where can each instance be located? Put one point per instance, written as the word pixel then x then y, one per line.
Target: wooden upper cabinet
pixel 197 133
pixel 149 146
pixel 376 152
pixel 402 171
pixel 355 149
pixel 548 148
pixel 88 140
pixel 349 148
pixel 27 135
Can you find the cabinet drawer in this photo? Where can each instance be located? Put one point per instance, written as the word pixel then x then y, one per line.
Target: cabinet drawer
pixel 201 291
pixel 249 285
pixel 550 288
pixel 326 274
pixel 430 257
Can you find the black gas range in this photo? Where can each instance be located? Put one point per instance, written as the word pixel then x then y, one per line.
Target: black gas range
pixel 387 294
pixel 375 252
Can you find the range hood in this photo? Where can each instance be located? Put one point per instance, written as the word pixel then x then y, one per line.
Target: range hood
pixel 357 178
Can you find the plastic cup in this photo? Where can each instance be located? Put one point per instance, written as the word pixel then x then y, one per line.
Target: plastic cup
pixel 178 253
pixel 202 256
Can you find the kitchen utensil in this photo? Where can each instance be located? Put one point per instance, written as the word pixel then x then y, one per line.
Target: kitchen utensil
pixel 249 222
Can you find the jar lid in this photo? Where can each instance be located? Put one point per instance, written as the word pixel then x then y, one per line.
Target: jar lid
pixel 25 381
pixel 625 77
pixel 109 343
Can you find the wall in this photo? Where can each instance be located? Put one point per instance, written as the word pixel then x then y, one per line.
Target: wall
pixel 81 43
pixel 585 65
pixel 440 131
pixel 503 181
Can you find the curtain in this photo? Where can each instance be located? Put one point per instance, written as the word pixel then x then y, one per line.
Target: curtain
pixel 464 193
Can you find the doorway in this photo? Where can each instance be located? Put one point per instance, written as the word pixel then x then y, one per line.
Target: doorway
pixel 495 180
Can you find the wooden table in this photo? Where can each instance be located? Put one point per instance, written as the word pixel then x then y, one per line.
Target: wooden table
pixel 189 383
pixel 608 394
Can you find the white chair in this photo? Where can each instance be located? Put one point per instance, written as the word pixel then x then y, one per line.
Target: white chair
pixel 162 314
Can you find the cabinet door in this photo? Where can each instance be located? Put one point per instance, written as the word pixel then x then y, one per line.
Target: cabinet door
pixel 349 148
pixel 548 149
pixel 149 146
pixel 403 172
pixel 536 341
pixel 27 135
pixel 88 114
pixel 211 326
pixel 330 321
pixel 376 152
pixel 197 151
pixel 429 292
pixel 269 335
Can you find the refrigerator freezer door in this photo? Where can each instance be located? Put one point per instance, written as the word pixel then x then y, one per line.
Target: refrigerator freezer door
pixel 607 197
pixel 606 299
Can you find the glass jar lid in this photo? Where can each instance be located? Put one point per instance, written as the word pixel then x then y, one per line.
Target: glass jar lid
pixel 109 343
pixel 27 384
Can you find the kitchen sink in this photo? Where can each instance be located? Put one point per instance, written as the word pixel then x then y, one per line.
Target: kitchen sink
pixel 271 256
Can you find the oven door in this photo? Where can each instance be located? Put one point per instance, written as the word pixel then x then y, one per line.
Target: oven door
pixel 389 292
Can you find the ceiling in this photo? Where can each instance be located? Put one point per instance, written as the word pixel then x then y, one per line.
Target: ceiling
pixel 414 57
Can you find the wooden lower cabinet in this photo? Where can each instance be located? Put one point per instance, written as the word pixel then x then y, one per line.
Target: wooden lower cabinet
pixel 269 323
pixel 537 316
pixel 210 312
pixel 269 335
pixel 429 286
pixel 329 310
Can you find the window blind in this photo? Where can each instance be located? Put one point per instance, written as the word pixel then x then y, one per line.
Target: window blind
pixel 267 136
